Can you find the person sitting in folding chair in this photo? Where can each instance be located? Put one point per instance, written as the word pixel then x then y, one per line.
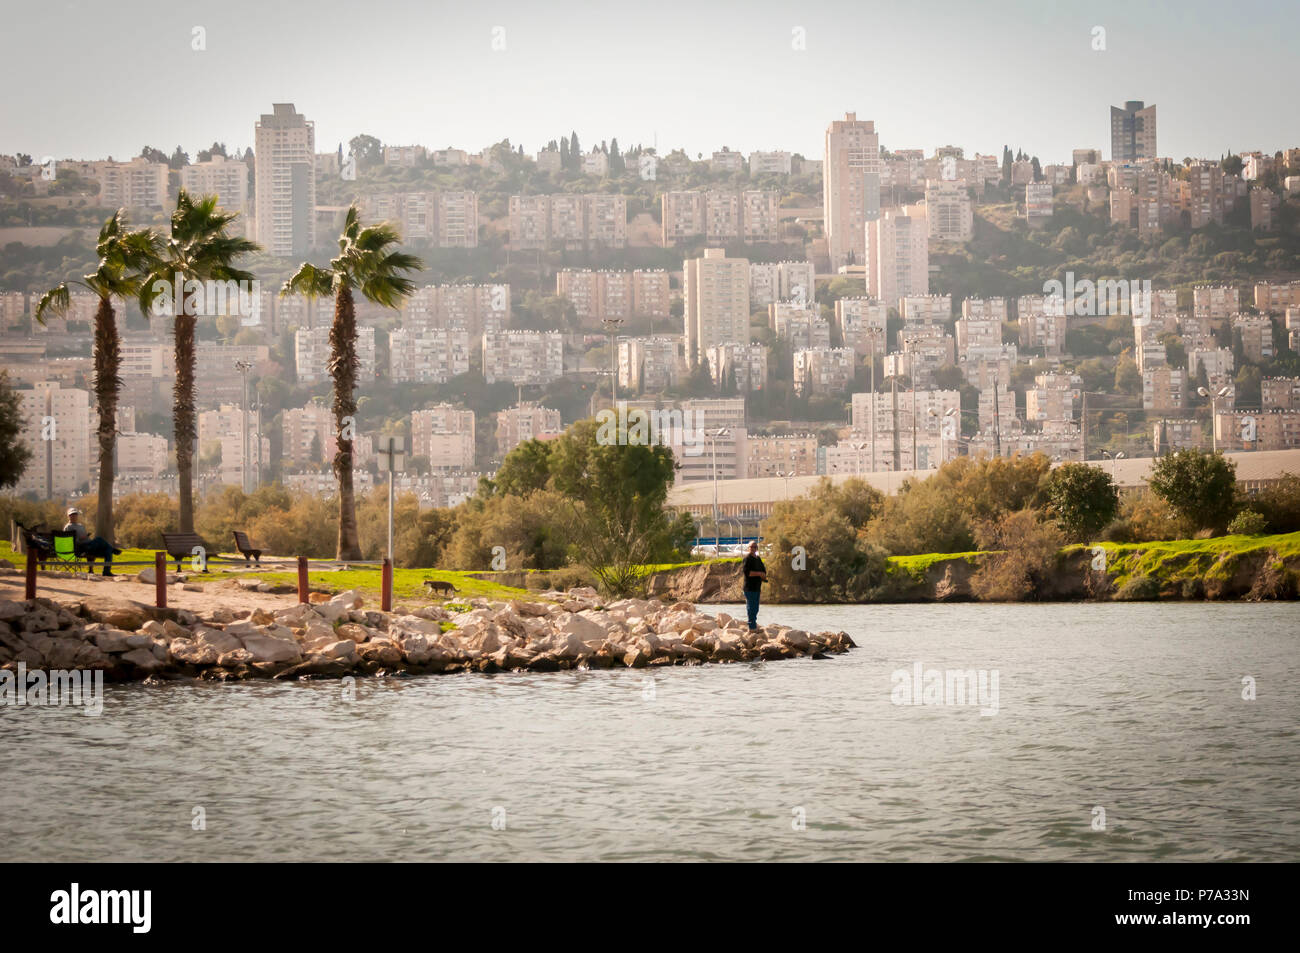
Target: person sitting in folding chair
pixel 91 548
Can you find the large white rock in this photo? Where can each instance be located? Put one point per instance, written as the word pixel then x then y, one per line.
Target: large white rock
pixel 219 641
pixel 143 659
pixel 265 648
pixel 348 600
pixel 329 611
pixel 344 649
pixel 583 627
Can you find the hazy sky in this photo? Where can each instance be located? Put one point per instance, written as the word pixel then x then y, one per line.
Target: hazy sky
pixel 90 78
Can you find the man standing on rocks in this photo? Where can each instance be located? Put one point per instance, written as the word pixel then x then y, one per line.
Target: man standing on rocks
pixel 755 574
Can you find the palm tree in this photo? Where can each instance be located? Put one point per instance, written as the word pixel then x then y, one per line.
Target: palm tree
pixel 364 263
pixel 198 249
pixel 123 257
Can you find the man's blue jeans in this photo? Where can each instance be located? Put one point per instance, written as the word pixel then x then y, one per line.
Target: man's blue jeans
pixel 751 604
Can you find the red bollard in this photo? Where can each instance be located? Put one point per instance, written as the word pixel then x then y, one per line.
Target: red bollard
pixel 302 579
pixel 160 579
pixel 386 597
pixel 31 573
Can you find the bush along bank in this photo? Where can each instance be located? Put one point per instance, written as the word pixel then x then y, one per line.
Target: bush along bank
pixel 338 637
pixel 1228 567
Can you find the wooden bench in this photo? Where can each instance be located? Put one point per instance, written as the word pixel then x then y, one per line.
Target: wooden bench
pixel 246 548
pixel 180 546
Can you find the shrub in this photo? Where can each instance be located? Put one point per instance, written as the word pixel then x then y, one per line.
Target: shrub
pixel 1279 504
pixel 1082 499
pixel 1028 555
pixel 1200 487
pixel 1248 523
pixel 1139 589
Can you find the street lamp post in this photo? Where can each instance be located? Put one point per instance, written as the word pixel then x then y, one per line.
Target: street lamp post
pixel 1214 412
pixel 713 436
pixel 243 367
pixel 393 452
pixel 611 328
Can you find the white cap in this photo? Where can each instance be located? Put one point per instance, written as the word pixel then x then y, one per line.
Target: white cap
pixel 73 511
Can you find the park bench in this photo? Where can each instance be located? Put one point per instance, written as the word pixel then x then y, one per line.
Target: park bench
pixel 180 546
pixel 246 548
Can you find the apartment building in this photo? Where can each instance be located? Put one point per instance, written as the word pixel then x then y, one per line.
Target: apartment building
pixel 727 161
pixel 977 335
pixel 285 168
pixel 803 328
pixel 1263 210
pixel 851 188
pixel 444 435
pixel 569 221
pixel 716 302
pixel 862 324
pixel 948 211
pixel 472 308
pixel 898 254
pixel 225 178
pixel 224 427
pixel 720 216
pixel 649 364
pixel 1038 203
pixel 601 295
pixel 1054 397
pixel 770 163
pixel 1203 194
pixel 57 430
pixel 924 349
pixel 307 434
pixel 1250 430
pixel 1280 393
pixel 446 219
pixel 312 354
pixel 404 156
pixel 523 357
pixel 924 309
pixel 140 455
pixel 1269 298
pixel 1256 331
pixel 137 185
pixel 784 455
pixel 428 354
pixel 823 370
pixel 879 414
pixel 746 364
pixel 1217 362
pixel 1132 131
pixel 13 311
pixel 781 281
pixel 1164 389
pixel 524 422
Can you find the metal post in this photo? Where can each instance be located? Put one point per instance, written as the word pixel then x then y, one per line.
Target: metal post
pixel 716 533
pixel 871 417
pixel 386 596
pixel 31 573
pixel 160 579
pixel 244 367
pixel 302 580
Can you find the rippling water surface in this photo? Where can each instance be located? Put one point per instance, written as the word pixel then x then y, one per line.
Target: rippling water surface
pixel 1135 709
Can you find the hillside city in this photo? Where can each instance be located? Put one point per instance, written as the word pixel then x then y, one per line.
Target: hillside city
pixel 868 309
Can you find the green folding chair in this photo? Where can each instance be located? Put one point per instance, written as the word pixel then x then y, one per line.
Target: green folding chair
pixel 65 552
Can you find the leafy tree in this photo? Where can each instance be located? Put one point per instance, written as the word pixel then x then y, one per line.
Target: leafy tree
pixel 617 493
pixel 1082 499
pixel 365 263
pixel 368 150
pixel 122 257
pixel 816 555
pixel 198 247
pixel 525 470
pixel 1200 488
pixel 14 460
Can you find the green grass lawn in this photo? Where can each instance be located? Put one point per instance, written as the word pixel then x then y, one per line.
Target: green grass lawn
pixel 917 566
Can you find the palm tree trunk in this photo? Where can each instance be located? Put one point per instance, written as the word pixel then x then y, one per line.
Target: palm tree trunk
pixel 108 362
pixel 183 414
pixel 343 368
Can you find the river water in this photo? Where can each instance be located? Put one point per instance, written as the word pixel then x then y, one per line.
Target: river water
pixel 1120 733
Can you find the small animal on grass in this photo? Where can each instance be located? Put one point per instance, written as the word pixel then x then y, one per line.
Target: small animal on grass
pixel 432 586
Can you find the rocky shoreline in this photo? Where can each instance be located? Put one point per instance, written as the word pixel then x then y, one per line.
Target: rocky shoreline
pixel 333 637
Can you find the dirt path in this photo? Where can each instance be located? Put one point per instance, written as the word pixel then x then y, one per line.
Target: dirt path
pixel 66 586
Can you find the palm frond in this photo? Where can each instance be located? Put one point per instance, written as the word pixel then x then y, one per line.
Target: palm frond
pixel 56 302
